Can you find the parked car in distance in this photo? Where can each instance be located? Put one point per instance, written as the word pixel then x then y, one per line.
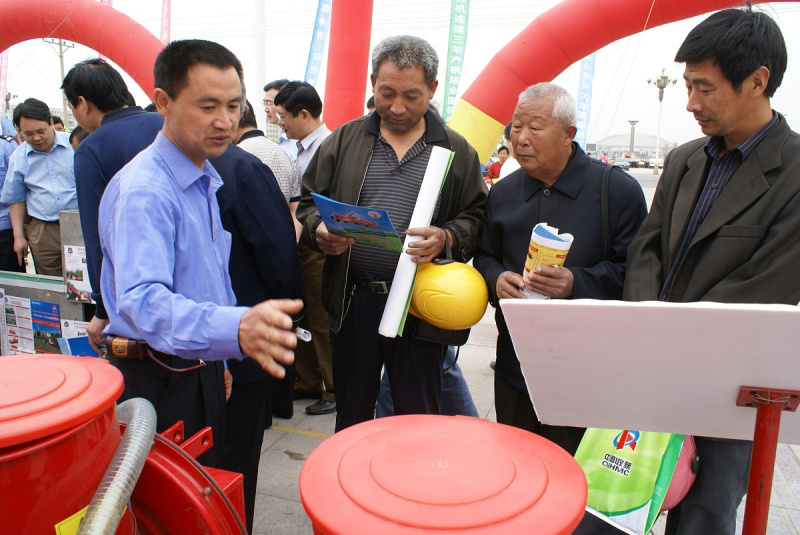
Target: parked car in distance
pixel 638 162
pixel 622 163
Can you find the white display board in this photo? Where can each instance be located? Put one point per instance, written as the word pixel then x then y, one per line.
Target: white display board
pixel 655 366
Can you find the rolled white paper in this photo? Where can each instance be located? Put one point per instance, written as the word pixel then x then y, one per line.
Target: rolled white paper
pixel 399 295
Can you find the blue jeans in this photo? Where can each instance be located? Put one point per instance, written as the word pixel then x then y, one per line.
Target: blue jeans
pixel 710 505
pixel 456 399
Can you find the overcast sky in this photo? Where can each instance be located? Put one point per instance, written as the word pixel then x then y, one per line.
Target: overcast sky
pixel 620 90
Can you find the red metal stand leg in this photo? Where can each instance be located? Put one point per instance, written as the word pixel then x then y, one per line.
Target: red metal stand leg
pixel 762 467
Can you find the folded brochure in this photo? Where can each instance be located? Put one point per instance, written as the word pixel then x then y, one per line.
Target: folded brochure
pixel 547 248
pixel 364 224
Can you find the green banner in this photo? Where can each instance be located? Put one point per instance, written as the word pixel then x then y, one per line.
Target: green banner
pixel 457 43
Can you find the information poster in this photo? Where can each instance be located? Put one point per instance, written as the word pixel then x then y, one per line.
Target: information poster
pixel 46 325
pixel 74 339
pixel 18 323
pixel 76 277
pixel 73 328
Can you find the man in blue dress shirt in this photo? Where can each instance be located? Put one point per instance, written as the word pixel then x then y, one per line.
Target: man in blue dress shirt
pixel 40 184
pixel 165 274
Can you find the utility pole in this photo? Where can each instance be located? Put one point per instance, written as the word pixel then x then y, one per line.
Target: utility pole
pixel 7 112
pixel 61 46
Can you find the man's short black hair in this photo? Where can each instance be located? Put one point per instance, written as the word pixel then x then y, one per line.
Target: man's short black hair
pixel 371 102
pixel 276 84
pixel 78 133
pixel 57 120
pixel 503 147
pixel 249 118
pixel 97 82
pixel 740 41
pixel 297 96
pixel 507 131
pixel 32 109
pixel 171 71
pixel 16 116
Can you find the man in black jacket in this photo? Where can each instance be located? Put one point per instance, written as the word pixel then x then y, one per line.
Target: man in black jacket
pixel 560 185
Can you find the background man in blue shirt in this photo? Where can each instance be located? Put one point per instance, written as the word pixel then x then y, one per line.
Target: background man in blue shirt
pixel 165 254
pixel 40 184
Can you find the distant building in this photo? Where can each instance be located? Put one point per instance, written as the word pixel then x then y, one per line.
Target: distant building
pixel 644 145
pixel 272 131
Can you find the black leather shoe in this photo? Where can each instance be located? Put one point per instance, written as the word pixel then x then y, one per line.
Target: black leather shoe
pixel 306 395
pixel 322 406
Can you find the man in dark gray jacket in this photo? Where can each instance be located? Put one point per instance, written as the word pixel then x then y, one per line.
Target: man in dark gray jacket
pixel 379 161
pixel 725 218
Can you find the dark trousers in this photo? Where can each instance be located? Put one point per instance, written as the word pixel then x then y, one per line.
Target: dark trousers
pixel 280 402
pixel 244 434
pixel 8 258
pixel 456 399
pixel 195 397
pixel 414 366
pixel 514 407
pixel 313 359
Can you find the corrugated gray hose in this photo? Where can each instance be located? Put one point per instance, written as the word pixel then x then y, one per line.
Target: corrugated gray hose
pixel 111 498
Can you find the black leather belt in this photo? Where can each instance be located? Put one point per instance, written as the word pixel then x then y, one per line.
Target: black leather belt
pixel 376 287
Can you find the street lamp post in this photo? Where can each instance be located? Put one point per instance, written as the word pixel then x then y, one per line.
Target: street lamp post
pixel 633 131
pixel 661 82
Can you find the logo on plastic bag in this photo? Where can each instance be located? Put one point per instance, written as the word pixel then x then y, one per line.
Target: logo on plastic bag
pixel 626 438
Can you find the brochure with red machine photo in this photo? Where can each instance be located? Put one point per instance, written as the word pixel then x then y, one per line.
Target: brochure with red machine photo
pixel 364 224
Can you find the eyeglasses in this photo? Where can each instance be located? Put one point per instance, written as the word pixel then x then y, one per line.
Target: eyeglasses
pixel 266 102
pixel 282 118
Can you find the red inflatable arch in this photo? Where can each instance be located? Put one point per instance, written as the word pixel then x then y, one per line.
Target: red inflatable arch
pixel 552 42
pixel 102 28
pixel 548 46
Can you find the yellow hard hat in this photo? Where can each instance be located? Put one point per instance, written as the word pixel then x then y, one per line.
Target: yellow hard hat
pixel 449 295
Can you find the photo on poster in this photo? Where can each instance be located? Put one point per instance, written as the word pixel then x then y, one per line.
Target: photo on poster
pixel 76 276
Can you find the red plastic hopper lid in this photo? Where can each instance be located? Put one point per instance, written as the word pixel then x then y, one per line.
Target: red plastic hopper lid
pixel 425 473
pixel 41 395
